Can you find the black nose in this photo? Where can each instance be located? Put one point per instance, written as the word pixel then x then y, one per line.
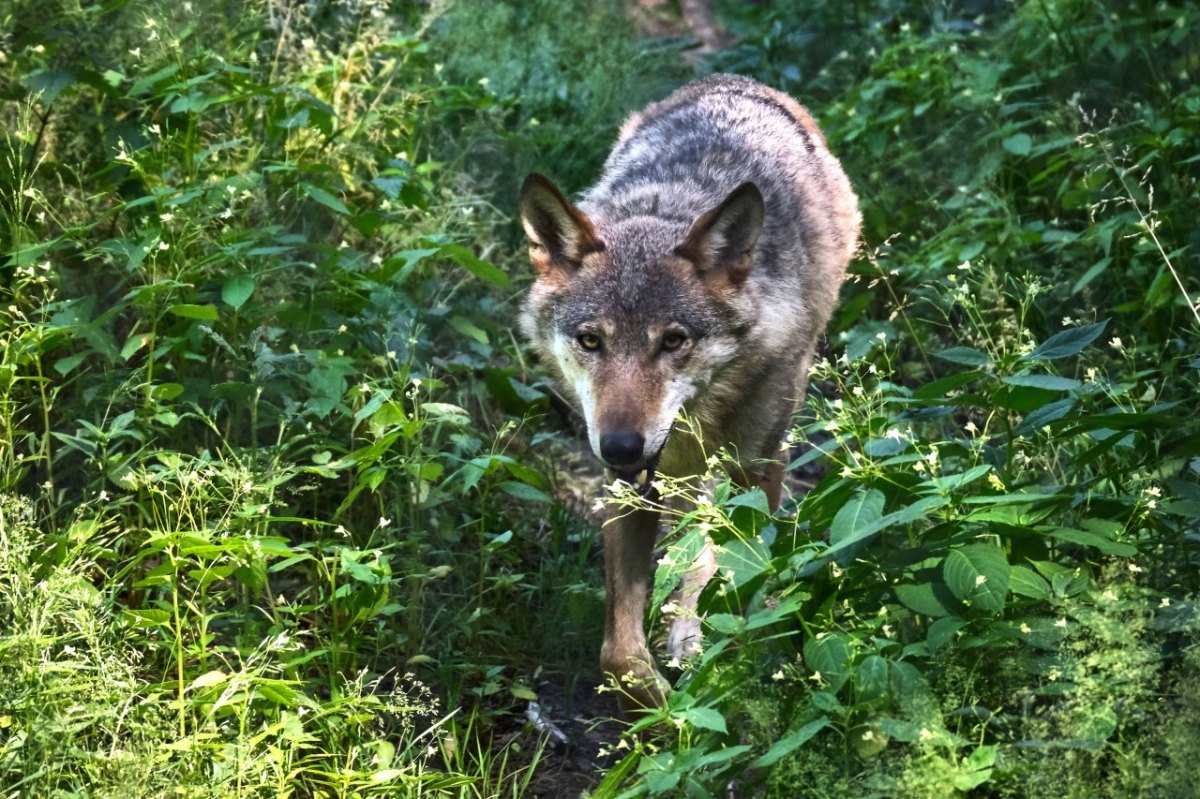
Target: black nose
pixel 623 448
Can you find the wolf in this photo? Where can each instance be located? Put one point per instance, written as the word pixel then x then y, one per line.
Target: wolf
pixel 695 276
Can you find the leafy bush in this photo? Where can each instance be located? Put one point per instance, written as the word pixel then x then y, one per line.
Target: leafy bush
pixel 284 510
pixel 242 331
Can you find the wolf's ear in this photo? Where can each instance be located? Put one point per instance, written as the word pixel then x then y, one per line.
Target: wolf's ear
pixel 559 233
pixel 722 240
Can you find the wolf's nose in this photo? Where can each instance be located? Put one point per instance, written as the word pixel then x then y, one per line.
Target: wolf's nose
pixel 623 448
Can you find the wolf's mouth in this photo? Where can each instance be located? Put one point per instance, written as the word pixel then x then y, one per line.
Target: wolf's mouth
pixel 640 480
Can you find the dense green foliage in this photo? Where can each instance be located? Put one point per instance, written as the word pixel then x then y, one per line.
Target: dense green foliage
pixel 285 510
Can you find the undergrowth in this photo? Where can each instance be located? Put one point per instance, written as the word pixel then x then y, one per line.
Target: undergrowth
pixel 285 510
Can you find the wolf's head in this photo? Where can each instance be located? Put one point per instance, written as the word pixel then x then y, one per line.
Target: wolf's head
pixel 638 313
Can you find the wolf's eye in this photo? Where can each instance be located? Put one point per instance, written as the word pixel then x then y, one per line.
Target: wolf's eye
pixel 673 341
pixel 589 341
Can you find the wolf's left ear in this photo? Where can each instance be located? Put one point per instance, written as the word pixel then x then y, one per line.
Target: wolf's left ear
pixel 722 240
pixel 559 233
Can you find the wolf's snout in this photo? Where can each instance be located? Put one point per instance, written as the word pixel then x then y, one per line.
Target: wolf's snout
pixel 622 448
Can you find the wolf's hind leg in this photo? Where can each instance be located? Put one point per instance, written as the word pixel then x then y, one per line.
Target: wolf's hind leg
pixel 683 638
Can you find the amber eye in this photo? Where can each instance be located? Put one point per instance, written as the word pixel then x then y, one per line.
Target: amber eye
pixel 589 341
pixel 673 341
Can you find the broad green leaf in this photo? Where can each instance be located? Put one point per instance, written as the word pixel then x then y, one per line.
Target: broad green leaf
pixel 952 482
pixel 469 329
pixel 979 574
pixel 942 630
pixel 976 769
pixel 756 499
pixel 721 755
pixel 707 718
pixel 524 491
pixel 146 618
pixel 208 313
pixel 476 265
pixel 326 199
pixel 1067 342
pixel 906 515
pixel 1088 538
pixel 1044 415
pixel 928 599
pixel 965 356
pixel 64 366
pixel 207 680
pixel 863 510
pixel 50 83
pixel 790 743
pixel 829 654
pixel 165 392
pixel 1026 582
pixel 1018 144
pixel 871 679
pixel 237 290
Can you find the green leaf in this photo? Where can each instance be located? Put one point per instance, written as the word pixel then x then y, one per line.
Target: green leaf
pixel 326 199
pixel 206 312
pixel 965 356
pixel 476 265
pixel 979 574
pixel 147 618
pixel 1026 582
pixel 871 679
pixel 1018 144
pixel 1044 415
pixel 469 329
pixel 64 366
pixel 942 630
pixel 524 491
pixel 1067 342
pixel 1048 382
pixel 707 718
pixel 976 769
pixel 829 654
pixel 50 83
pixel 237 290
pixel 165 392
pixel 861 512
pixel 928 599
pixel 1088 538
pixel 790 743
pixel 755 499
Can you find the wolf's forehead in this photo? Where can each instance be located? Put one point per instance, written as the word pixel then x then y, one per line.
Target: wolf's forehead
pixel 629 299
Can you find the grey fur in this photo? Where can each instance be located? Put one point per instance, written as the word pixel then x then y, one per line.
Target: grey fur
pixel 670 239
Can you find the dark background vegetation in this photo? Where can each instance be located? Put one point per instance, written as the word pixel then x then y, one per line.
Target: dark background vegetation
pixel 287 510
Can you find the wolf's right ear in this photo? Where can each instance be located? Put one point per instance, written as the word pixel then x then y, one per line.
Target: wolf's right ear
pixel 722 240
pixel 559 233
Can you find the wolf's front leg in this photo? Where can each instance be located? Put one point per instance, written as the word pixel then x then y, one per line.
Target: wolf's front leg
pixel 628 570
